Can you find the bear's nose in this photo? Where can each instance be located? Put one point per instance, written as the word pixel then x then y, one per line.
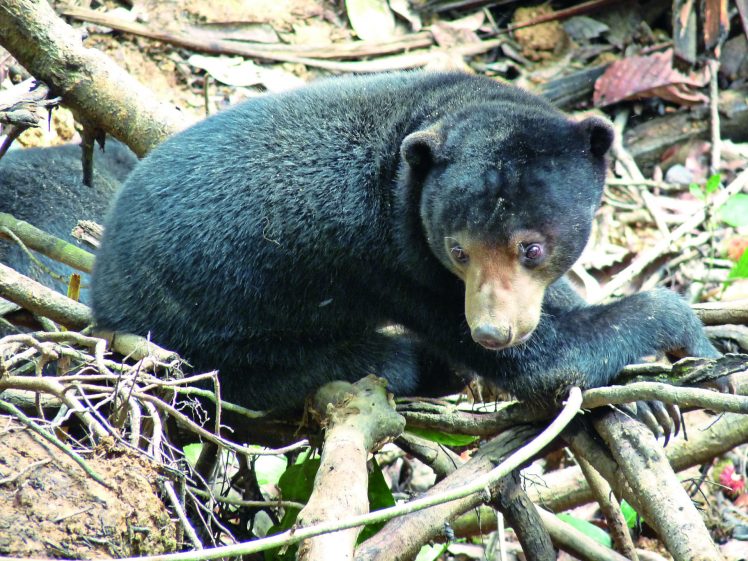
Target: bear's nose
pixel 492 337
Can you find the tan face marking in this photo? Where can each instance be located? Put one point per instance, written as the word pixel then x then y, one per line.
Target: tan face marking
pixel 503 298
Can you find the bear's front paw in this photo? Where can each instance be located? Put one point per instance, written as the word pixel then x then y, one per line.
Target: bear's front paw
pixel 681 332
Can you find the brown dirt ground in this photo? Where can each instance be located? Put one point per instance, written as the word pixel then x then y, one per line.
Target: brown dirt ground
pixel 50 508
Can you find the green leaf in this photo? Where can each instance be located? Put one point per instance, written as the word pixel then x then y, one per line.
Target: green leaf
pixel 269 469
pixel 192 452
pixel 445 438
pixel 629 514
pixel 296 484
pixel 713 183
pixel 380 497
pixel 697 191
pixel 431 552
pixel 735 211
pixel 740 270
pixel 587 528
pixel 297 481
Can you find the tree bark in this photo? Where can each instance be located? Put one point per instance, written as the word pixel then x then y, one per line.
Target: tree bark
pixel 101 94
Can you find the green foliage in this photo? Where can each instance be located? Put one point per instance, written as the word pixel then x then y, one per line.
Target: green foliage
pixel 588 529
pixel 735 211
pixel 192 452
pixel 702 192
pixel 445 438
pixel 431 552
pixel 296 484
pixel 380 497
pixel 269 469
pixel 629 514
pixel 740 270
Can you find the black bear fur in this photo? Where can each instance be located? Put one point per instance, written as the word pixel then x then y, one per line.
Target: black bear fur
pixel 44 186
pixel 281 240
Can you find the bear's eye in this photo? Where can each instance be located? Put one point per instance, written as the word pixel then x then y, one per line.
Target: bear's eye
pixel 533 251
pixel 459 254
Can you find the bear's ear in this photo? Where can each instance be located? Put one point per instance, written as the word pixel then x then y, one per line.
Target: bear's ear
pixel 421 148
pixel 600 134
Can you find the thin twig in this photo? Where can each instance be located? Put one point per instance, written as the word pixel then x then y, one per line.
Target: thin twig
pixel 177 506
pixel 666 393
pixel 240 502
pixel 634 173
pixel 52 386
pixel 716 158
pixel 24 471
pixel 603 493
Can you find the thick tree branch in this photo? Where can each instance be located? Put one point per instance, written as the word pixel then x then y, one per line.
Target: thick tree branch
pixel 47 244
pixel 662 500
pixel 359 419
pixel 100 93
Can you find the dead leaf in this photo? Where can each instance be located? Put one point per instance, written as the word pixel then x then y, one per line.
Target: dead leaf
pixel 236 71
pixel 372 20
pixel 641 77
pixel 584 28
pixel 448 36
pixel 473 22
pixel 235 31
pixel 403 9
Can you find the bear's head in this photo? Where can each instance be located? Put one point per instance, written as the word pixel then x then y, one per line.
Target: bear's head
pixel 506 196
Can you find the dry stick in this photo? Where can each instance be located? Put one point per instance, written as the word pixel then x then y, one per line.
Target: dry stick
pixel 239 502
pixel 447 418
pixel 355 49
pixel 177 506
pixel 650 255
pixel 721 313
pixel 444 462
pixel 517 459
pixel 662 500
pixel 735 333
pixel 288 54
pixel 188 423
pixel 402 538
pixel 400 62
pixel 434 417
pixel 359 418
pixel 513 503
pixel 567 488
pixel 619 531
pixel 413 530
pixel 51 386
pixel 634 173
pixel 46 244
pixel 667 393
pixel 91 84
pixel 716 159
pixel 43 301
pixel 439 458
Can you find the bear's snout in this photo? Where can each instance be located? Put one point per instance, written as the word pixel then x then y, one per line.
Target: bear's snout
pixel 492 337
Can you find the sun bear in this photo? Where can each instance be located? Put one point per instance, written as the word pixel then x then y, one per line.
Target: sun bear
pixel 280 240
pixel 44 186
